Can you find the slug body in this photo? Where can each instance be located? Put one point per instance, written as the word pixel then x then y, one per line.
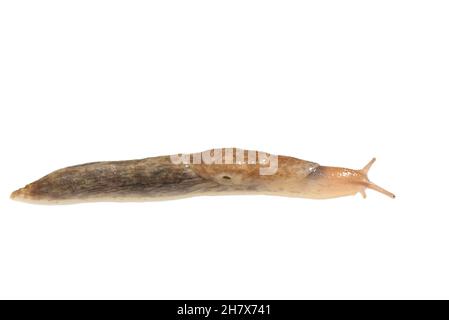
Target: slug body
pixel 232 171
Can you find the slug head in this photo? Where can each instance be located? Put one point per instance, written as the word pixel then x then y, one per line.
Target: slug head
pixel 333 182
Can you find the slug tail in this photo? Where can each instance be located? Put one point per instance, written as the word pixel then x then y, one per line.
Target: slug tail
pixel 16 194
pixel 24 194
pixel 371 185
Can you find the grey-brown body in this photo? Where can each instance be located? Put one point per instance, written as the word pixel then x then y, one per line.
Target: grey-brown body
pixel 117 180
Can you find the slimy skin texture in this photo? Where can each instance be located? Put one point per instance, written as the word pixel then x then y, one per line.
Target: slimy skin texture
pixel 159 178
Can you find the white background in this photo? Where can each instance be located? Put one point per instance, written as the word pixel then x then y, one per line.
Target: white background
pixel 335 82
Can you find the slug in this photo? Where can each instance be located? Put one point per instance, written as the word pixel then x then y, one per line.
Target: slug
pixel 212 172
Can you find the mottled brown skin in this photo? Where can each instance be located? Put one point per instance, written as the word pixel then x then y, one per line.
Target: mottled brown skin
pixel 158 178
